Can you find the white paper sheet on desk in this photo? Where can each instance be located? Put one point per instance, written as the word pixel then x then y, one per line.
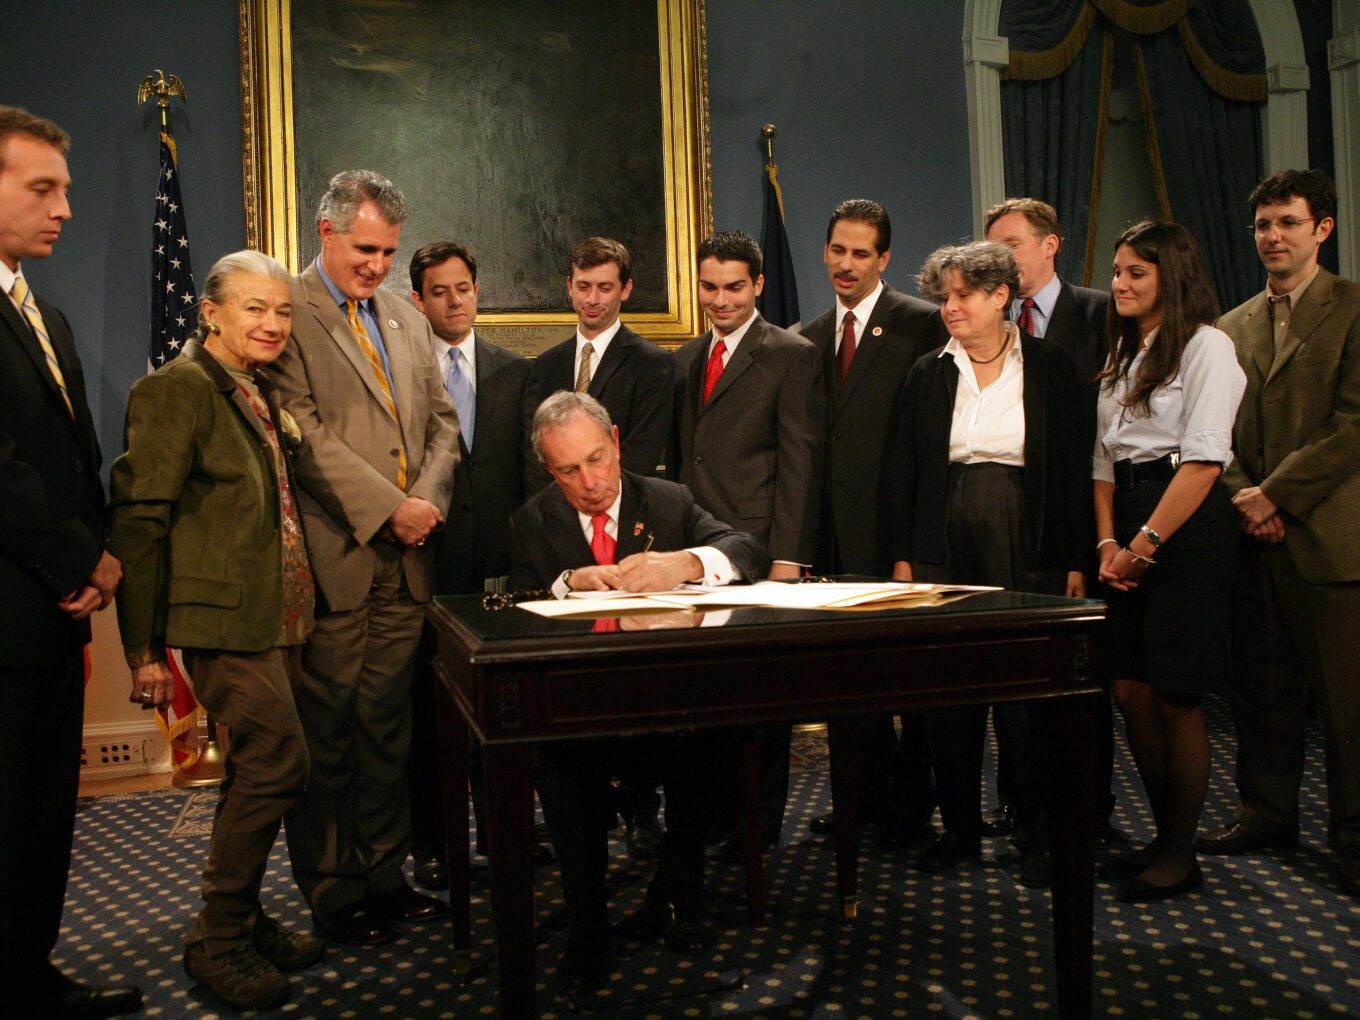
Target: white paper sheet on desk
pixel 588 609
pixel 831 595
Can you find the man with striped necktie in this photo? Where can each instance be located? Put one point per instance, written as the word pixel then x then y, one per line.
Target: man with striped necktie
pixel 375 473
pixel 54 572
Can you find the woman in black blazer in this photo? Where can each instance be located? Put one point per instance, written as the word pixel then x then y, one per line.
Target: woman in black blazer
pixel 990 466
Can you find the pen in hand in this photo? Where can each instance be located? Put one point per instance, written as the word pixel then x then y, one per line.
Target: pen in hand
pixel 647 545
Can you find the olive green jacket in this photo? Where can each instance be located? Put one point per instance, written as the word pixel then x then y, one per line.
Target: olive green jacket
pixel 194 515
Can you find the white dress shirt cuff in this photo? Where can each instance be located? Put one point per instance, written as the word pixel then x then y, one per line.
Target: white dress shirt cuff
pixel 718 569
pixel 559 587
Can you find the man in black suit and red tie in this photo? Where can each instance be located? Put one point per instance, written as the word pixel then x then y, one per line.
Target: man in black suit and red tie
pixel 868 341
pixel 751 410
pixel 601 528
pixel 630 376
pixel 495 395
pixel 54 573
pixel 1072 318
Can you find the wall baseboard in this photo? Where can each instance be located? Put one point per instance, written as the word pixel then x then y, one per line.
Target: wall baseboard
pixel 113 749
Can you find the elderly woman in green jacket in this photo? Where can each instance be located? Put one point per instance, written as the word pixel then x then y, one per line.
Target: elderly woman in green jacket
pixel 205 522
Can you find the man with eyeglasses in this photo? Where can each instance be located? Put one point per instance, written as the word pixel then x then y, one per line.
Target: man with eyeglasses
pixel 1296 485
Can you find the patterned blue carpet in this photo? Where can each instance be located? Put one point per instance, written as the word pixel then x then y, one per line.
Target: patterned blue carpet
pixel 1269 936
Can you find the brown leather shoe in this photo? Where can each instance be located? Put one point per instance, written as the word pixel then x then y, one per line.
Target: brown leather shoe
pixel 1247 835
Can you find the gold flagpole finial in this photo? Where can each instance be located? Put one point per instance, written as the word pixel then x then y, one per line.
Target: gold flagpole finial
pixel 162 86
pixel 769 132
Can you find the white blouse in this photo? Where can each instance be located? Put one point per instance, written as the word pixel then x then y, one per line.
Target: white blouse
pixel 1192 413
pixel 988 425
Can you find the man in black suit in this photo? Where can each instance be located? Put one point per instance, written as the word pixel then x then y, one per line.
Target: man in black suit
pixel 1073 319
pixel 868 341
pixel 592 531
pixel 495 395
pixel 751 407
pixel 630 376
pixel 54 572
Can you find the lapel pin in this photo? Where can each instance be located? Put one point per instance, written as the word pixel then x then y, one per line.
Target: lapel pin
pixel 394 323
pixel 637 529
pixel 878 331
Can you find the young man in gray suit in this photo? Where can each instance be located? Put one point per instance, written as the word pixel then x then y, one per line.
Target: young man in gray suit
pixel 751 407
pixel 375 474
pixel 1296 485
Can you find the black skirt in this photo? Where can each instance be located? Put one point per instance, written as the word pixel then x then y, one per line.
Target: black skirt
pixel 1172 630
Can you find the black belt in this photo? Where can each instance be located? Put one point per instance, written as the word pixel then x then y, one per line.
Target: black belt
pixel 1127 474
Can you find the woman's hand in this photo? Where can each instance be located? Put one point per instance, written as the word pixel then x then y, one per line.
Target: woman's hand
pixel 1119 568
pixel 902 571
pixel 153 685
pixel 1076 585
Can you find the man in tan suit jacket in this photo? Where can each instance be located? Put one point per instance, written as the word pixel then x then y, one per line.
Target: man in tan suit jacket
pixel 375 473
pixel 1296 480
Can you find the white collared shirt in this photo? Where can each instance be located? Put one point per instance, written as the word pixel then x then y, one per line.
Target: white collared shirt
pixel 862 312
pixel 1044 300
pixel 718 569
pixel 7 278
pixel 599 344
pixel 732 339
pixel 988 425
pixel 467 350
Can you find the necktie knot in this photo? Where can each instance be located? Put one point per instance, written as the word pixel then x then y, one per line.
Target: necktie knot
pixel 1026 320
pixel 583 373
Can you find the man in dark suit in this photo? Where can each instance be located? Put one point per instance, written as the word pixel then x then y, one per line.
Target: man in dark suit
pixel 751 406
pixel 54 572
pixel 630 376
pixel 1073 319
pixel 868 340
pixel 494 393
pixel 1296 485
pixel 592 531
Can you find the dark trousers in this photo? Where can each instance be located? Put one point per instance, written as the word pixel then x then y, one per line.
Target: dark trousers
pixel 266 773
pixel 1291 637
pixel 573 787
pixel 40 733
pixel 988 543
pixel 424 782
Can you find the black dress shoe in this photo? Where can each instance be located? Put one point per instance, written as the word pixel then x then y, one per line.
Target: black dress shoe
pixel 70 1000
pixel 1125 866
pixel 683 932
pixel 1036 872
pixel 583 971
pixel 948 852
pixel 403 905
pixel 354 924
pixel 431 873
pixel 1248 834
pixel 999 821
pixel 823 825
pixel 1136 890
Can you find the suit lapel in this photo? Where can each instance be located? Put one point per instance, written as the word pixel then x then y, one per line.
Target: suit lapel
pixel 1257 336
pixel 28 340
pixel 634 525
pixel 397 341
pixel 227 384
pixel 333 321
pixel 825 341
pixel 737 363
pixel 614 355
pixel 1313 308
pixel 1064 322
pixel 565 527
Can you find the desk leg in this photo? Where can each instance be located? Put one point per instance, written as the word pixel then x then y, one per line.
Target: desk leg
pixel 509 771
pixel 1069 730
pixel 453 754
pixel 840 742
pixel 751 841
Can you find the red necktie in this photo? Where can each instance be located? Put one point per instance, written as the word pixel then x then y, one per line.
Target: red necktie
pixel 600 542
pixel 1026 320
pixel 846 352
pixel 713 369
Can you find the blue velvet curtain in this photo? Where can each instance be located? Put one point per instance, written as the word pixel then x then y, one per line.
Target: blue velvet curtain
pixel 1203 88
pixel 1050 127
pixel 1210 145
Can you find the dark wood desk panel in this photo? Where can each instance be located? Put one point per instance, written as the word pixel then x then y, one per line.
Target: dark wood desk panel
pixel 515 679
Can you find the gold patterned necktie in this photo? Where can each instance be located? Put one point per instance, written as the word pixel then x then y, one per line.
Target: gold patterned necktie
pixel 23 297
pixel 583 374
pixel 356 325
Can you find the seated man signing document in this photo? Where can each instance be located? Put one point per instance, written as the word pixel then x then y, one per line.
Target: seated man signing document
pixel 589 532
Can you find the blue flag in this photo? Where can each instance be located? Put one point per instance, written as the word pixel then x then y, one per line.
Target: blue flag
pixel 174 306
pixel 778 302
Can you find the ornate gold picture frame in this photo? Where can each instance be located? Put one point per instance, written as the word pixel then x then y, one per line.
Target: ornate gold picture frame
pixel 436 96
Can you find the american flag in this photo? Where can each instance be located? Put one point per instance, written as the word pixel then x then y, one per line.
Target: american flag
pixel 174 316
pixel 174 306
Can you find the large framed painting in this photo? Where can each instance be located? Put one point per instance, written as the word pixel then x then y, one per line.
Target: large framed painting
pixel 516 127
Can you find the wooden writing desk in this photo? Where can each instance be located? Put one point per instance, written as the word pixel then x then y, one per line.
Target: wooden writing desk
pixel 515 679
